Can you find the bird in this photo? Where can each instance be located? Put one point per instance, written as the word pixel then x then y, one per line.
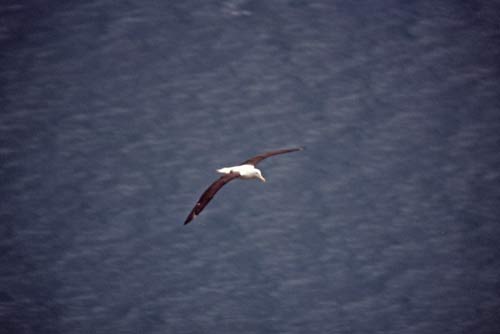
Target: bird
pixel 245 170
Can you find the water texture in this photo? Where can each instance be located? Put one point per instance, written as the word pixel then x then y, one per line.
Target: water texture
pixel 115 115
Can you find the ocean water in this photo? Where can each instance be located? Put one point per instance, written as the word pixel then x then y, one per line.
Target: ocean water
pixel 114 117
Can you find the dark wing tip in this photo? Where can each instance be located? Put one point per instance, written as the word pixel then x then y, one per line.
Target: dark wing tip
pixel 257 159
pixel 189 218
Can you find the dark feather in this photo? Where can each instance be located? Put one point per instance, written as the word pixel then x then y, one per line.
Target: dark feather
pixel 255 160
pixel 209 194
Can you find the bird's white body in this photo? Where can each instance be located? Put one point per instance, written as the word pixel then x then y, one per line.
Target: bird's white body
pixel 245 171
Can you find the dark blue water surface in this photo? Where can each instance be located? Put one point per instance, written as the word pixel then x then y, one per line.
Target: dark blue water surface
pixel 115 115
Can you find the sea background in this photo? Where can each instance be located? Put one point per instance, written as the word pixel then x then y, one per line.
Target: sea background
pixel 115 115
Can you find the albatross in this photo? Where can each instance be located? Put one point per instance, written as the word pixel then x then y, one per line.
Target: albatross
pixel 246 171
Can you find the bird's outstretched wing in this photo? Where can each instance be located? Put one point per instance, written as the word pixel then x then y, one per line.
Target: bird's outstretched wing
pixel 255 160
pixel 209 194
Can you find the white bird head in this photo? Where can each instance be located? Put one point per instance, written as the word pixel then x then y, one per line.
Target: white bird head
pixel 260 177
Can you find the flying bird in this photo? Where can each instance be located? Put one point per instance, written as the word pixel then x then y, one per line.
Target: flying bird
pixel 246 170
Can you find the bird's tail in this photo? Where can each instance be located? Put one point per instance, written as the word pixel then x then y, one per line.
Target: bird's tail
pixel 224 170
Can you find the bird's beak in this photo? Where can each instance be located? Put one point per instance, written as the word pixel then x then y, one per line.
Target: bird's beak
pixel 262 178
